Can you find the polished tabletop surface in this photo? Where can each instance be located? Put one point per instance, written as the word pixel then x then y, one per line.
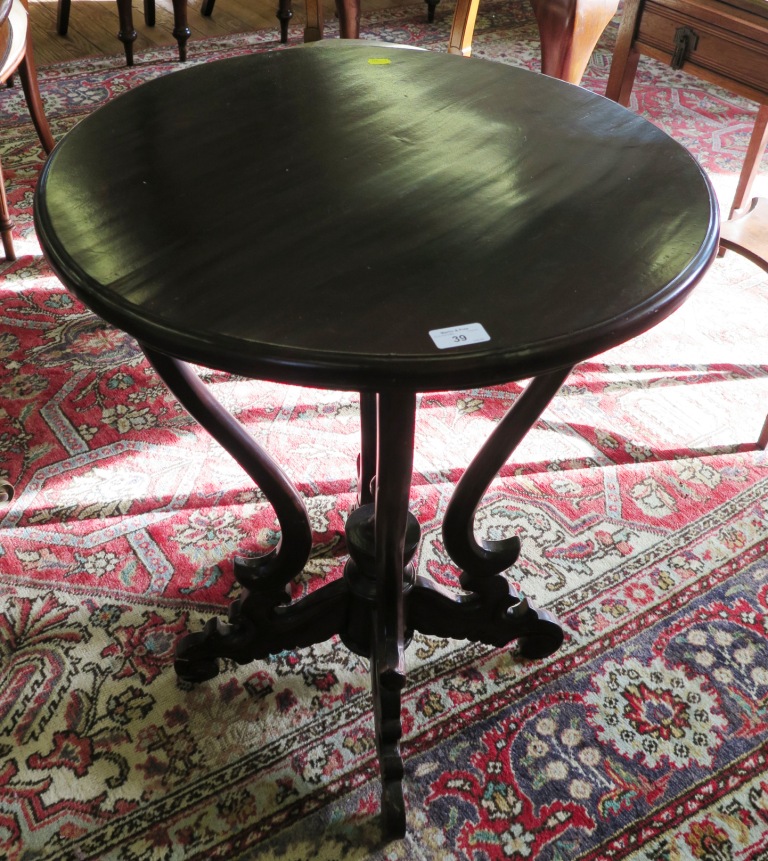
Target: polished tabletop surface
pixel 357 215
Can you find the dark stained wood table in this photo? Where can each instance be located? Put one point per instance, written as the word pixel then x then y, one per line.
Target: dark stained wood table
pixel 358 216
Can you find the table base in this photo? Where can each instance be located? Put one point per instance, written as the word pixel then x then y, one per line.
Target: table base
pixel 379 602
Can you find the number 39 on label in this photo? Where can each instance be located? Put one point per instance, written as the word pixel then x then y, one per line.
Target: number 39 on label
pixel 459 336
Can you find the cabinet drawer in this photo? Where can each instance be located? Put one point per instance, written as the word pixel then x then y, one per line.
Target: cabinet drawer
pixel 731 46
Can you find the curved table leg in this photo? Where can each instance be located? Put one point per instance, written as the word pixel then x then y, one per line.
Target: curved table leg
pixel 492 612
pixel 379 602
pixel 28 75
pixel 260 624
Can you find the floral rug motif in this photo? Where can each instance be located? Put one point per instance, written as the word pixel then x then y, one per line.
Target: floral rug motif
pixel 640 499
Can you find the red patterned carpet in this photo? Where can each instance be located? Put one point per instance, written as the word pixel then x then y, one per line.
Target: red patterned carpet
pixel 639 497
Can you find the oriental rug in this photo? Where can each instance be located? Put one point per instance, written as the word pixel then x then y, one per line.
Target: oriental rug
pixel 640 498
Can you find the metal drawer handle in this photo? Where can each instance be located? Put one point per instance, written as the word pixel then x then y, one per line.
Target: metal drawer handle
pixel 685 40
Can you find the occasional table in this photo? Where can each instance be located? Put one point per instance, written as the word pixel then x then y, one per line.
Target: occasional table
pixel 358 216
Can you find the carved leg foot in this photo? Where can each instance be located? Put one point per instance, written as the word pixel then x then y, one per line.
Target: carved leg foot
pixel 263 622
pixel 494 617
pixel 491 611
pixel 197 655
pixel 260 624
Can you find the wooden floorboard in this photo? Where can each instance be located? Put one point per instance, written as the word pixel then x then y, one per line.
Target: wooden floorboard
pixel 93 24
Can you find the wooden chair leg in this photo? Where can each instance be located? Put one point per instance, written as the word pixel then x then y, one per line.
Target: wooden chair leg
pixel 625 58
pixel 762 440
pixel 5 222
pixel 569 30
pixel 284 15
pixel 181 31
pixel 313 27
pixel 463 27
pixel 746 231
pixel 62 16
pixel 349 18
pixel 755 149
pixel 127 34
pixel 28 75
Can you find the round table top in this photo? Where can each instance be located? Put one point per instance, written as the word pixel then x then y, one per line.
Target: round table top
pixel 356 215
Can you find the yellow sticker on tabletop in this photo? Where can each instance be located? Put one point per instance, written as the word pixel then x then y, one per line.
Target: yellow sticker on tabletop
pixel 379 61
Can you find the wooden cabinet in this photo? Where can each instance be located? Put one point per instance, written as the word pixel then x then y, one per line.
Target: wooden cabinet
pixel 725 43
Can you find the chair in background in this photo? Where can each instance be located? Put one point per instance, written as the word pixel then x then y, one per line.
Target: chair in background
pixel 568 29
pixel 16 54
pixel 127 33
pixel 284 15
pixel 746 230
pixel 724 42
